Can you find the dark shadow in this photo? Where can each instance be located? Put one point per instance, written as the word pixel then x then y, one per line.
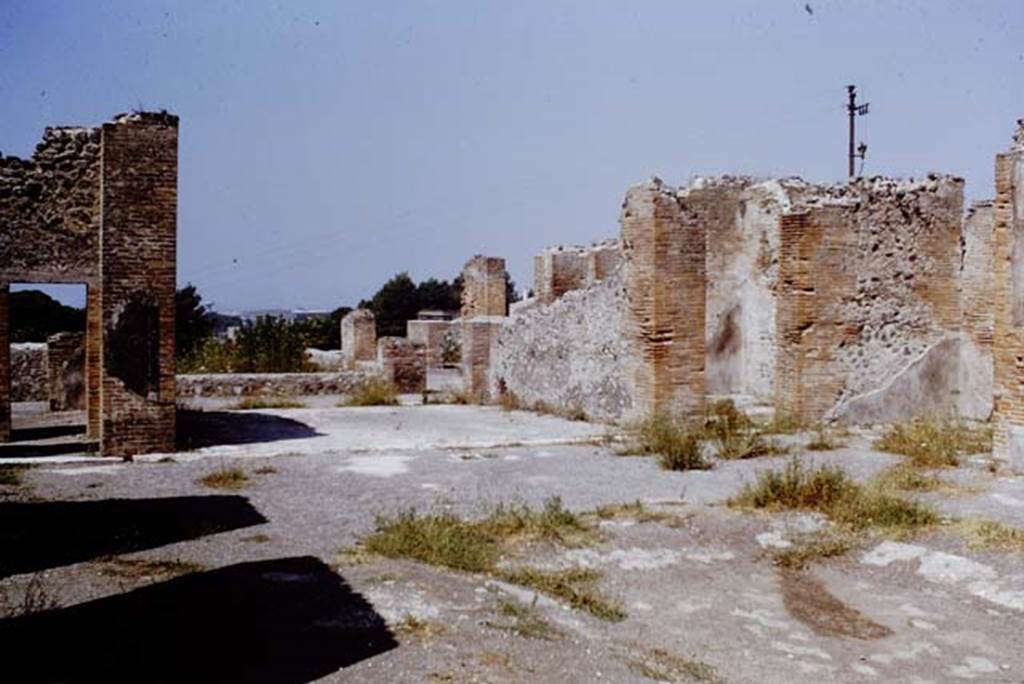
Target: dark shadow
pixel 198 429
pixel 286 620
pixel 49 432
pixel 62 448
pixel 36 536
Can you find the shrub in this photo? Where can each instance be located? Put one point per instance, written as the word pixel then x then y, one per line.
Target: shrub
pixel 931 443
pixel 677 445
pixel 372 392
pixel 736 436
pixel 225 478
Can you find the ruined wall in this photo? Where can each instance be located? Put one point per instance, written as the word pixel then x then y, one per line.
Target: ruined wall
pixel 358 336
pixel 479 351
pixel 66 371
pixel 29 372
pixel 1008 344
pixel 570 355
pixel 561 269
pixel 403 362
pixel 483 287
pixel 271 384
pixel 977 297
pixel 431 334
pixel 663 246
pixel 137 267
pixel 869 305
pixel 5 363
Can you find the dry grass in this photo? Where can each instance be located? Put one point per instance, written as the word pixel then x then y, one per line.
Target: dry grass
pixel 36 598
pixel 676 444
pixel 225 478
pixel 661 666
pixel 933 443
pixel 905 477
pixel 735 435
pixel 804 552
pixel 10 475
pixel 637 511
pixel 137 568
pixel 411 625
pixel 525 622
pixel 829 490
pixel 256 403
pixel 444 539
pixel 783 424
pixel 266 470
pixel 824 439
pixel 372 392
pixel 989 534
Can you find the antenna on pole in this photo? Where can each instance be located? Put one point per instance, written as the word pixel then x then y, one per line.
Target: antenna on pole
pixel 855 110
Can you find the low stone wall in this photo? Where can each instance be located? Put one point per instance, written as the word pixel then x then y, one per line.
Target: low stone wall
pixel 270 384
pixel 403 362
pixel 66 356
pixel 30 374
pixel 570 355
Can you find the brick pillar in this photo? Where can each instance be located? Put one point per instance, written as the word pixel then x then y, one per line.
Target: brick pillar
pixel 1008 341
pixel 93 362
pixel 663 249
pixel 483 287
pixel 479 336
pixel 5 364
pixel 137 267
pixel 358 336
pixel 404 363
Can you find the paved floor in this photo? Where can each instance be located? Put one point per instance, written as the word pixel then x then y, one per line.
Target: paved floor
pixel 253 581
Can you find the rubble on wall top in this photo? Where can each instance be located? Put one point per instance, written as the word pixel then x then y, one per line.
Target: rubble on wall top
pixel 1018 136
pixel 161 117
pixel 608 243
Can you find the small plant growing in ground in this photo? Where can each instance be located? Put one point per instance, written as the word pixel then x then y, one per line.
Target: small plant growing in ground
pixel 829 490
pixel 636 510
pixel 372 392
pixel 225 478
pixel 256 403
pixel 266 470
pixel 802 553
pixel 676 444
pixel 930 443
pixel 525 622
pixel 989 534
pixel 445 539
pixel 823 440
pixel 734 435
pixel 783 424
pixel 905 477
pixel 10 475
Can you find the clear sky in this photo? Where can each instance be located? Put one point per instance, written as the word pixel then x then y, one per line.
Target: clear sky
pixel 326 146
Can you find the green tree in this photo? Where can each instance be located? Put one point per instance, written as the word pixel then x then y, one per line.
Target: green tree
pixel 396 302
pixel 193 321
pixel 34 316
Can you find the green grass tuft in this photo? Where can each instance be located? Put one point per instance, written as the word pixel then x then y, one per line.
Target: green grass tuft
pixel 256 403
pixel 373 392
pixel 574 586
pixel 225 478
pixel 676 444
pixel 930 443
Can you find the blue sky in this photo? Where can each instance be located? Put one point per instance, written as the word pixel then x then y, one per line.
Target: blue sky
pixel 326 146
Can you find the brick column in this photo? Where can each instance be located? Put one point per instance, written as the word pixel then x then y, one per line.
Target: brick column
pixel 483 287
pixel 5 364
pixel 663 249
pixel 479 336
pixel 137 267
pixel 1008 341
pixel 93 362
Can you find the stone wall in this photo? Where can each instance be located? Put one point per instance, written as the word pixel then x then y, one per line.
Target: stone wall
pixel 358 337
pixel 479 351
pixel 977 297
pixel 561 269
pixel 66 371
pixel 868 289
pixel 403 363
pixel 570 355
pixel 431 334
pixel 29 372
pixel 483 287
pixel 1008 343
pixel 271 384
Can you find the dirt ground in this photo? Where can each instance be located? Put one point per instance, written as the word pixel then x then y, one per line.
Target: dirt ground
pixel 141 571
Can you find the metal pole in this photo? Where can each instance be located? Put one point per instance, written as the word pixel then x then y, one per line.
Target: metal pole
pixel 852 109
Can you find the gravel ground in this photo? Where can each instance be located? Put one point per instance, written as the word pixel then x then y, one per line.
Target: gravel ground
pixel 137 570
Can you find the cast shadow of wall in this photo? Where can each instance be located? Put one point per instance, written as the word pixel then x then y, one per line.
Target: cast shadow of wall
pixel 285 620
pixel 35 536
pixel 197 429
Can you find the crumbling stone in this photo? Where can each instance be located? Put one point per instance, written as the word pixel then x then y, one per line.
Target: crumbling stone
pixel 432 335
pixel 403 362
pixel 66 371
pixel 29 371
pixel 358 337
pixel 483 287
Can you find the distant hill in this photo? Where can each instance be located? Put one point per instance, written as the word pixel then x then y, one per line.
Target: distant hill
pixel 35 315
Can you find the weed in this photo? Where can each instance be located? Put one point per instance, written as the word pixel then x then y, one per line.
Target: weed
pixel 828 490
pixel 372 392
pixel 414 626
pixel 904 477
pixel 572 585
pixel 637 511
pixel 735 435
pixel 677 445
pixel 931 443
pixel 225 478
pixel 989 534
pixel 823 440
pixel 257 403
pixel 798 556
pixel 266 470
pixel 441 538
pixel 659 665
pixel 783 424
pixel 526 622
pixel 258 538
pixel 135 568
pixel 10 475
pixel 36 599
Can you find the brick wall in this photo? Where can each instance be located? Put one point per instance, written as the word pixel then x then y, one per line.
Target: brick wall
pixel 1008 343
pixel 479 340
pixel 664 277
pixel 483 287
pixel 430 334
pixel 5 364
pixel 139 200
pixel 66 371
pixel 403 362
pixel 560 269
pixel 358 337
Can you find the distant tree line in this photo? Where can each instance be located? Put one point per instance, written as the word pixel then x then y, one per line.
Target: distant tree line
pixel 35 315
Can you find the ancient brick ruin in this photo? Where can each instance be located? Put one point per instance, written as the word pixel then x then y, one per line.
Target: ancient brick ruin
pixel 358 337
pixel 98 206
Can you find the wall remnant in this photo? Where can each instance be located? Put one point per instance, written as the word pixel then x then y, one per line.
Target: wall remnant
pixel 431 334
pixel 272 384
pixel 99 206
pixel 66 357
pixel 977 301
pixel 29 371
pixel 1008 343
pixel 560 269
pixel 358 337
pixel 479 345
pixel 403 362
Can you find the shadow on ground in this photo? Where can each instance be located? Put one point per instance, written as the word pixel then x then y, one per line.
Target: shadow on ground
pixel 286 620
pixel 197 429
pixel 36 536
